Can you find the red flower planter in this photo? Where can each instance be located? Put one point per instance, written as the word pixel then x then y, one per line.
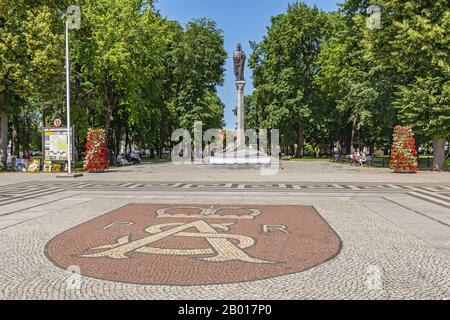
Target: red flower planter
pixel 404 151
pixel 96 159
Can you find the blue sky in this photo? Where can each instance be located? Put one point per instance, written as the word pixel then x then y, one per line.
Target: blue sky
pixel 241 21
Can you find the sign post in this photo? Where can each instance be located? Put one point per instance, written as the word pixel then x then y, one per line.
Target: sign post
pixel 73 21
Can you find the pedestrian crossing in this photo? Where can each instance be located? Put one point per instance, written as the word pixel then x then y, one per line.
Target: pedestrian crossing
pixel 11 194
pixel 105 185
pixel 436 194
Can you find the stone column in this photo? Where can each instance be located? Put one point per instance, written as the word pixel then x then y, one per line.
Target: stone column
pixel 240 85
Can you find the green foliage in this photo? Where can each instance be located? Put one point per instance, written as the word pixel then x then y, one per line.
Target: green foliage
pixel 133 72
pixel 426 104
pixel 360 81
pixel 149 75
pixel 31 62
pixel 284 67
pixel 198 67
pixel 415 44
pixel 31 66
pixel 359 90
pixel 319 77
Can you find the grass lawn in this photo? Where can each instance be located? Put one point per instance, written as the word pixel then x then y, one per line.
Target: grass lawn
pixel 309 159
pixel 162 160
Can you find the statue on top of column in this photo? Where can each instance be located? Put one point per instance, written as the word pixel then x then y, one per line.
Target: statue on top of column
pixel 239 58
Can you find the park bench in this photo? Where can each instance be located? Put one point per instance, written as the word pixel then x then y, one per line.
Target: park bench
pixel 378 162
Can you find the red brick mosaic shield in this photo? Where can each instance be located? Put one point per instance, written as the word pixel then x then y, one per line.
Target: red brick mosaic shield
pixel 196 244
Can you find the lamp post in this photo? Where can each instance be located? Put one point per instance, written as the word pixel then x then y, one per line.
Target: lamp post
pixel 73 21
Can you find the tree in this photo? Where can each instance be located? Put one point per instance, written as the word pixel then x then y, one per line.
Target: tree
pixel 134 73
pixel 284 67
pixel 414 42
pixel 198 66
pixel 28 64
pixel 108 52
pixel 145 74
pixel 426 103
pixel 361 90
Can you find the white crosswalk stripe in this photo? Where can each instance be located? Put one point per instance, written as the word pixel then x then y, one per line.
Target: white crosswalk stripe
pixel 430 198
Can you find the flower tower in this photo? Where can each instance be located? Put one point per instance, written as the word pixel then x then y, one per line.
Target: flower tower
pixel 96 158
pixel 404 151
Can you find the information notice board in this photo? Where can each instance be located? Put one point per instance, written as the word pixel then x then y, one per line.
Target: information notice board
pixel 54 145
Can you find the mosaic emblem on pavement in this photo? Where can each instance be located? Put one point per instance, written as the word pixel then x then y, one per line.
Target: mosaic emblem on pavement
pixel 196 244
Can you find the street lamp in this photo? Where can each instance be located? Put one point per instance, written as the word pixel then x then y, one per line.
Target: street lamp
pixel 73 21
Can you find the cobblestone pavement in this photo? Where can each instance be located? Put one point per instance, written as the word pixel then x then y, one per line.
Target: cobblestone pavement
pixel 395 237
pixel 291 171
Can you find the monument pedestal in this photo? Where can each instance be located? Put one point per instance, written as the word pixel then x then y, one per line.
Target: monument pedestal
pixel 238 158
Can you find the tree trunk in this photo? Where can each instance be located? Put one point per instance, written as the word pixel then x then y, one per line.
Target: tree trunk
pixel 353 138
pixel 117 140
pixel 127 140
pixel 109 101
pixel 161 142
pixel 108 118
pixel 26 131
pixel 4 138
pixel 3 133
pixel 439 153
pixel 448 151
pixel 15 138
pixel 300 139
pixel 43 122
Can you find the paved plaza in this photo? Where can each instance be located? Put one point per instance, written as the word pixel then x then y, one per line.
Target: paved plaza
pixel 316 230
